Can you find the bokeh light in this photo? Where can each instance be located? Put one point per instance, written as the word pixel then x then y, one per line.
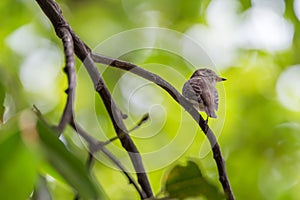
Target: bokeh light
pixel 288 89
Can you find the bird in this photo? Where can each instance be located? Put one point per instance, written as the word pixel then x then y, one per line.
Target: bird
pixel 200 90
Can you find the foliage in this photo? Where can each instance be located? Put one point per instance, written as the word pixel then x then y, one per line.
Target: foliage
pixel 258 133
pixel 67 164
pixel 17 164
pixel 188 181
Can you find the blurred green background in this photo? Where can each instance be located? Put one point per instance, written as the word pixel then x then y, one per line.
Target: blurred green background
pixel 254 44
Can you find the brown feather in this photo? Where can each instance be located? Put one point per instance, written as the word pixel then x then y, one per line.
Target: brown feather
pixel 199 91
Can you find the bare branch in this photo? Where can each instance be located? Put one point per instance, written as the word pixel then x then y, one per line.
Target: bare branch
pixel 52 10
pixel 143 120
pixel 185 104
pixel 62 29
pixel 119 126
pixel 95 146
pixel 71 74
pixel 54 13
pixel 90 161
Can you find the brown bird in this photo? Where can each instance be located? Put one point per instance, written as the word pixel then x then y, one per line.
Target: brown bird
pixel 200 90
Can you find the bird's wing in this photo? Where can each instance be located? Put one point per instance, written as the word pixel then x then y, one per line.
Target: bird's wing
pixel 205 94
pixel 216 99
pixel 192 91
pixel 201 92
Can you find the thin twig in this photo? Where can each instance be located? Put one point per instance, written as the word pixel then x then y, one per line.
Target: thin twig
pixel 95 146
pixel 143 120
pixel 185 104
pixel 90 161
pixel 69 69
pixel 38 113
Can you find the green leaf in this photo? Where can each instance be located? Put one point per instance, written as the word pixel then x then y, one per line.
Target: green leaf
pixel 67 164
pixel 17 164
pixel 187 181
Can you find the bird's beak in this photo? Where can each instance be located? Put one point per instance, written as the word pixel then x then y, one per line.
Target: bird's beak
pixel 219 79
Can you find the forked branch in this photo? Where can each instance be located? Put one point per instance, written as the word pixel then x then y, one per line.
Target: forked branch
pixel 54 13
pixel 185 104
pixel 95 146
pixel 83 52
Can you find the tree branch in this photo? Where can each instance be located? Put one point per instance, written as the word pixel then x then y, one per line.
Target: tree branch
pixel 119 126
pixel 54 13
pixel 95 146
pixel 143 120
pixel 71 73
pixel 52 10
pixel 185 104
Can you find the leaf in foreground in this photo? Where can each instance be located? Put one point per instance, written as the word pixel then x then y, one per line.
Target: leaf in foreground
pixel 187 181
pixel 17 164
pixel 67 164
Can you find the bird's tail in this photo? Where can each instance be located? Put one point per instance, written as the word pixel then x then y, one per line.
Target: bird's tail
pixel 210 112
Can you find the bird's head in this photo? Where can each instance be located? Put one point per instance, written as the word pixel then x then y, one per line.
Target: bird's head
pixel 208 74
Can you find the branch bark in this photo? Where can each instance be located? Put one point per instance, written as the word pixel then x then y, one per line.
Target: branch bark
pixel 120 128
pixel 185 104
pixel 52 10
pixel 95 146
pixel 70 70
pixel 54 13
